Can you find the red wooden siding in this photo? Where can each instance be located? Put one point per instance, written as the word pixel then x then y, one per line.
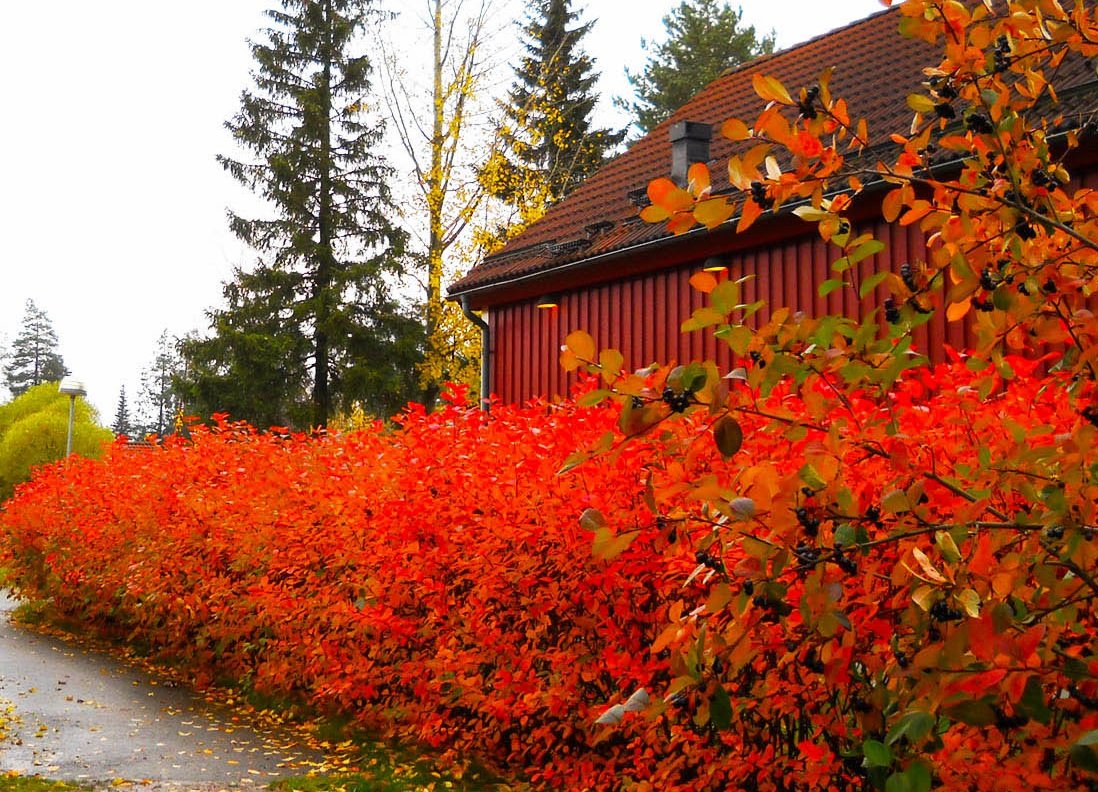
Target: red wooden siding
pixel 641 315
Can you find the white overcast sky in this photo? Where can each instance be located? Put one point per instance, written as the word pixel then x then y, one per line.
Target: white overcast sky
pixel 112 207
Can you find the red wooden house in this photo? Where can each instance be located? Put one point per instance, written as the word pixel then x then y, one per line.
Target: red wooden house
pixel 626 281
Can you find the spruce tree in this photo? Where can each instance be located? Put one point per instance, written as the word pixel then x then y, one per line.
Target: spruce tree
pixel 549 141
pixel 704 38
pixel 156 402
pixel 331 248
pixel 33 357
pixel 122 425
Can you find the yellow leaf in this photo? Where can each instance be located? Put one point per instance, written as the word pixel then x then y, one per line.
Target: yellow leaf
pixel 735 129
pixel 582 344
pixel 654 214
pixel 770 89
pixel 713 212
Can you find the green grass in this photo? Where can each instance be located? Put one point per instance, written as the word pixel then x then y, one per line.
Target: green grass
pixel 9 783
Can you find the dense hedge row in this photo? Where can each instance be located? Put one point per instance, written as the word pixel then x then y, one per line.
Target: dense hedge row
pixel 436 581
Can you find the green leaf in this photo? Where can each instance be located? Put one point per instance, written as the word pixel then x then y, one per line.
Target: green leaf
pixel 592 520
pixel 918 776
pixel 811 477
pixel 720 709
pixel 702 318
pixel 591 398
pixel 865 250
pixel 725 297
pixel 728 435
pixel 876 754
pixel 611 361
pixel 895 502
pixel 738 338
pixel 915 725
pixel 974 712
pixel 872 282
pixel 898 782
pixel 1034 704
pixel 1084 756
pixel 830 285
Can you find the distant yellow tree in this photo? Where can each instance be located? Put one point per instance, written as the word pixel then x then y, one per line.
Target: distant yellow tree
pixel 436 131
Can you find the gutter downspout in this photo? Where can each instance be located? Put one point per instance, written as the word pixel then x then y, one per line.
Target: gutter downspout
pixel 485 350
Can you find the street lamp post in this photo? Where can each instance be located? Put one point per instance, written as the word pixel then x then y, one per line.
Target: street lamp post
pixel 72 388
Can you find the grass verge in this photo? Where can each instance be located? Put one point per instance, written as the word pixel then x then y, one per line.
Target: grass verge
pixel 19 783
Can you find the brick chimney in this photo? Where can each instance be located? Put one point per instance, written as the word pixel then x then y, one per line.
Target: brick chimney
pixel 689 144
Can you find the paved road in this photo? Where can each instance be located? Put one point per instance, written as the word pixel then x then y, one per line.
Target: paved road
pixel 85 716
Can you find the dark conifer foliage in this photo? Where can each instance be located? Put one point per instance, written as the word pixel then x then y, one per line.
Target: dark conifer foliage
pixel 281 351
pixel 704 38
pixel 122 424
pixel 33 357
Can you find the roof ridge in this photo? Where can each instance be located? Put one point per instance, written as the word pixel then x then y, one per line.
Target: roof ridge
pixel 771 55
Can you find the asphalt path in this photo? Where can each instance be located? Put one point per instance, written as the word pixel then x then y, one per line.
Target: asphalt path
pixel 82 715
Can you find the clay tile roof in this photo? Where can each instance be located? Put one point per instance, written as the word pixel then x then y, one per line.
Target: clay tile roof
pixel 875 68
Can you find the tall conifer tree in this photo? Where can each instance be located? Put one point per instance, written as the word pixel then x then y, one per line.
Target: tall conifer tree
pixel 122 424
pixel 330 251
pixel 33 357
pixel 704 38
pixel 550 142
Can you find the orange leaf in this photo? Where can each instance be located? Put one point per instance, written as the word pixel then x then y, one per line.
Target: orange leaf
pixel 917 212
pixel 681 223
pixel 770 89
pixel 698 178
pixel 957 310
pixel 978 683
pixel 890 206
pixel 665 193
pixel 704 282
pixel 751 212
pixel 735 129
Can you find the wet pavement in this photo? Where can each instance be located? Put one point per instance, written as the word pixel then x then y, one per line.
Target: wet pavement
pixel 82 715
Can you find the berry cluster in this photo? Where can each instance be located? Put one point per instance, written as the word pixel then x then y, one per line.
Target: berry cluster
pixel 892 313
pixel 945 110
pixel 981 304
pixel 807 105
pixel 1055 532
pixel 678 402
pixel 711 561
pixel 1002 54
pixel 812 662
pixel 942 612
pixel 1024 230
pixel 808 556
pixel 756 358
pixel 759 196
pixel 987 280
pixel 1042 178
pixel 775 608
pixel 907 275
pixel 1006 722
pixel 809 522
pixel 979 124
pixel 844 562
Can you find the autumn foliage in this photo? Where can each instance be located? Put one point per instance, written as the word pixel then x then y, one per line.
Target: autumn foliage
pixel 831 567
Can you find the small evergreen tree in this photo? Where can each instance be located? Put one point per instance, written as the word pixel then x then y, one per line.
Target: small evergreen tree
pixel 121 425
pixel 549 141
pixel 33 358
pixel 704 38
pixel 157 403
